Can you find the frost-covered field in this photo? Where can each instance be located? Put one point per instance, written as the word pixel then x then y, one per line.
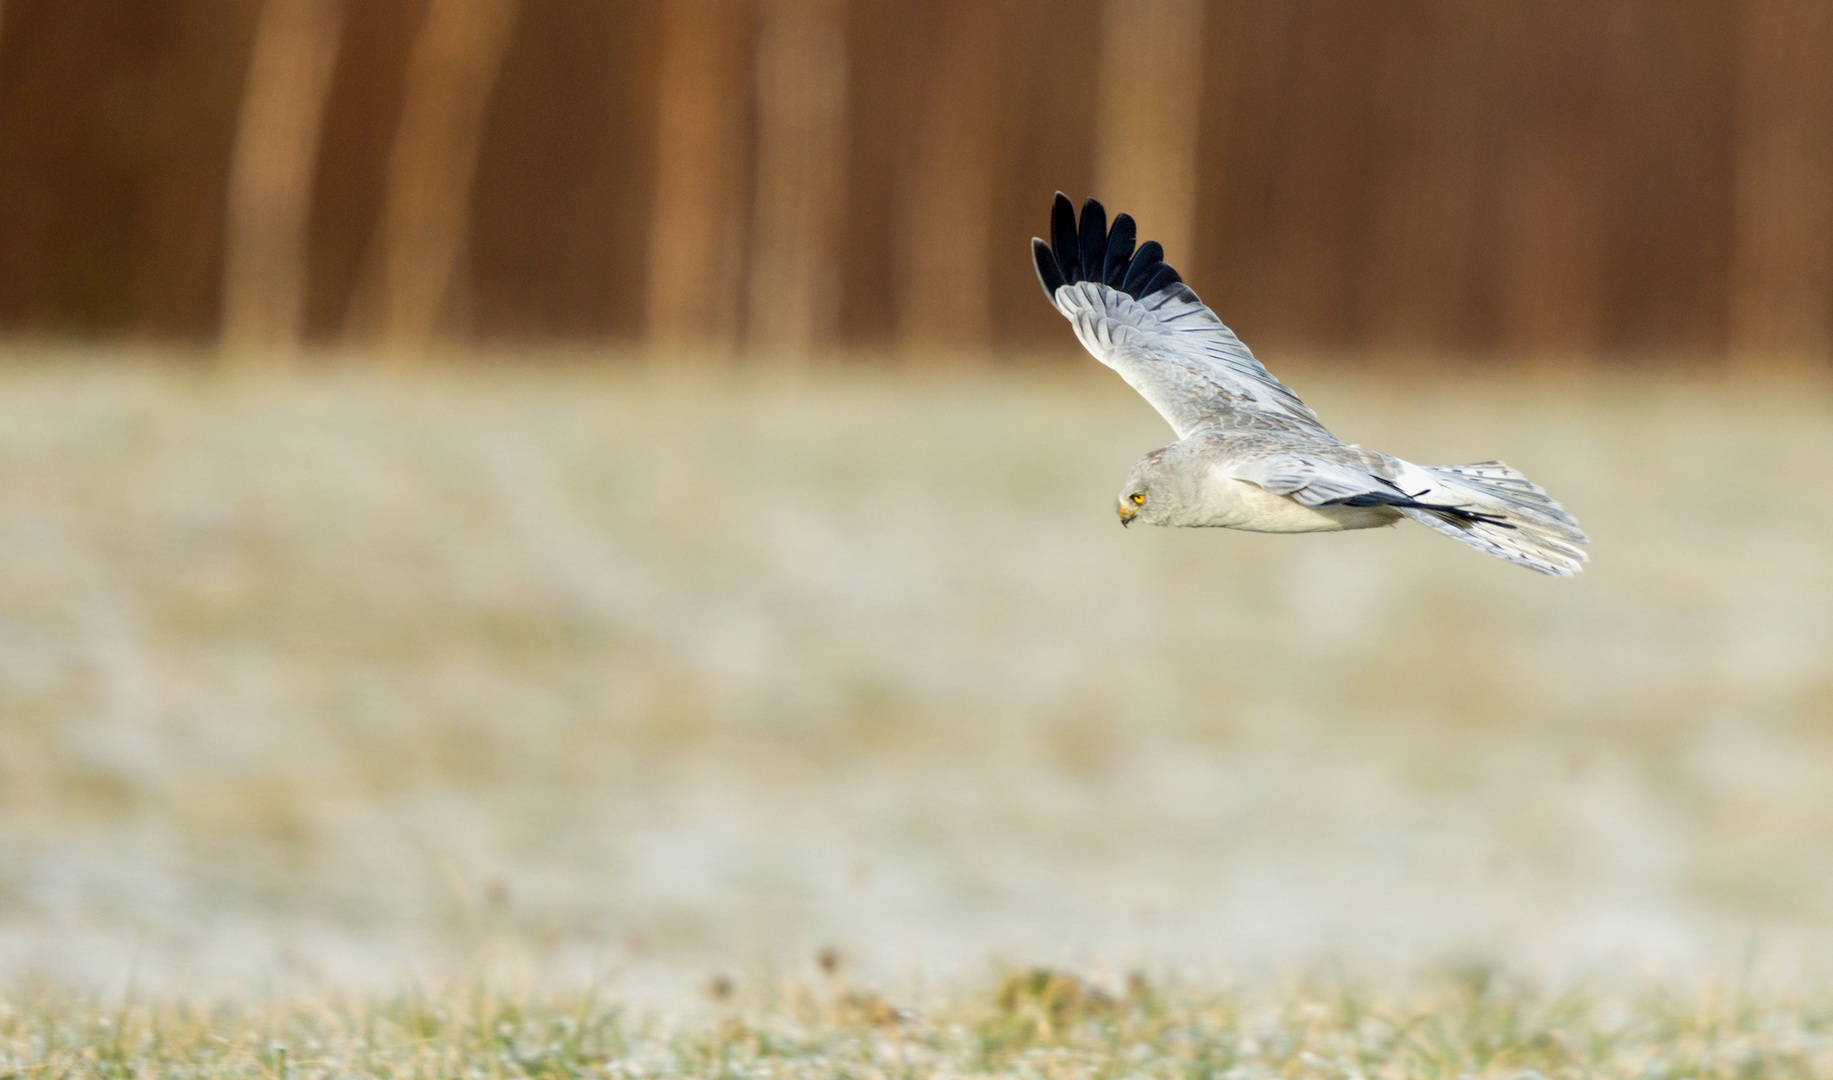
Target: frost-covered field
pixel 593 675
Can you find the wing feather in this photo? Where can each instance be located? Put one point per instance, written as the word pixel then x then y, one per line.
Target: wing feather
pixel 1120 240
pixel 1146 260
pixel 1064 243
pixel 1134 314
pixel 1049 275
pixel 1315 480
pixel 1093 240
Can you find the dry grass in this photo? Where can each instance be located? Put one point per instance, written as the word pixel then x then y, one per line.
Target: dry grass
pixel 1033 1024
pixel 346 678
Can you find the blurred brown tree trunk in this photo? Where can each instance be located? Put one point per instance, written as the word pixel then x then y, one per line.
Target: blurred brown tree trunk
pixel 1556 170
pixel 1318 136
pixel 413 269
pixel 793 296
pixel 1782 262
pixel 944 298
pixel 1415 283
pixel 271 170
pixel 696 250
pixel 1151 83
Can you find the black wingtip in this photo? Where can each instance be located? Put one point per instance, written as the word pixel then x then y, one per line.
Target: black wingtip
pixel 1162 278
pixel 1048 275
pixel 1093 232
pixel 1063 240
pixel 1146 263
pixel 1090 250
pixel 1119 251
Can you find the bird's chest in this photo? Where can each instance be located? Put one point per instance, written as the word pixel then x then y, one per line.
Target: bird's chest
pixel 1228 503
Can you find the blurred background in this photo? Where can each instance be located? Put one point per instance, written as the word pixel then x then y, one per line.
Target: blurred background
pixel 1626 178
pixel 736 578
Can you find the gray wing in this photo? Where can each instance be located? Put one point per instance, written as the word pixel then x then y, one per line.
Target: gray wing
pixel 1342 476
pixel 1133 313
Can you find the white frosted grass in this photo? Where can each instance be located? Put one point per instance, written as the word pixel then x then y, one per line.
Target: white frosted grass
pixel 354 678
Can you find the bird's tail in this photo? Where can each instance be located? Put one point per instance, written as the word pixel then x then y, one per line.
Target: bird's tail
pixel 1493 508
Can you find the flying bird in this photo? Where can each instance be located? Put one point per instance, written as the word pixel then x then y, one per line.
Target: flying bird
pixel 1250 455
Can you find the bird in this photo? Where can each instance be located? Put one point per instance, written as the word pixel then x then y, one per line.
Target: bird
pixel 1250 455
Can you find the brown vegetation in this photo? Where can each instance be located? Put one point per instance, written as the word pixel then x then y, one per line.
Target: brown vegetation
pixel 1626 176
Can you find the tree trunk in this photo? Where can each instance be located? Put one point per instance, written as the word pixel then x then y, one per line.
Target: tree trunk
pixel 696 253
pixel 1557 169
pixel 1151 82
pixel 793 299
pixel 1414 284
pixel 271 170
pixel 945 299
pixel 1782 261
pixel 411 274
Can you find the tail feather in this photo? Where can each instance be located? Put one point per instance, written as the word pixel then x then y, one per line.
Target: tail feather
pixel 1503 513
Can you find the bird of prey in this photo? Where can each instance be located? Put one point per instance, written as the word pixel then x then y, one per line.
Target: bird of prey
pixel 1250 455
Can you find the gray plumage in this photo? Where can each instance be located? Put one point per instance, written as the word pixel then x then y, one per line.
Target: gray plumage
pixel 1250 454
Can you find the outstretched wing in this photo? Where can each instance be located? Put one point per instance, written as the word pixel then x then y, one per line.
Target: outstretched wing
pixel 1137 316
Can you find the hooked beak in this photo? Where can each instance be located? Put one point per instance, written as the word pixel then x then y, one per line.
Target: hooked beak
pixel 1126 514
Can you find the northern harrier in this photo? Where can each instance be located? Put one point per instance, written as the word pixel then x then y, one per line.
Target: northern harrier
pixel 1250 455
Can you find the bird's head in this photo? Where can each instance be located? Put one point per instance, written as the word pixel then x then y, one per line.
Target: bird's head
pixel 1149 494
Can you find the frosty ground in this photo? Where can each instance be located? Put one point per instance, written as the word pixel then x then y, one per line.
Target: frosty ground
pixel 624 676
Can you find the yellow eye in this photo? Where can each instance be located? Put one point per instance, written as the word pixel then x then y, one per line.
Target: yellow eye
pixel 1138 500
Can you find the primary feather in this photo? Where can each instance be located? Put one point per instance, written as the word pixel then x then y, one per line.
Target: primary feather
pixel 1237 424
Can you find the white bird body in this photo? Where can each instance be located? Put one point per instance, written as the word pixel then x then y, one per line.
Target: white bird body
pixel 1250 455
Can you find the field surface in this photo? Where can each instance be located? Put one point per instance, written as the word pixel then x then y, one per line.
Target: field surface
pixel 599 676
pixel 1037 1025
